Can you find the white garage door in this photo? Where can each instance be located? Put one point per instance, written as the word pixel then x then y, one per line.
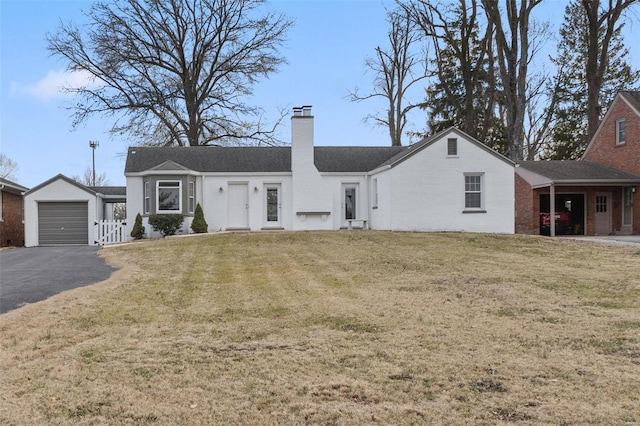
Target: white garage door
pixel 63 223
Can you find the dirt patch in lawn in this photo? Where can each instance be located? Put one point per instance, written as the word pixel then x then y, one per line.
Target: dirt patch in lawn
pixel 335 328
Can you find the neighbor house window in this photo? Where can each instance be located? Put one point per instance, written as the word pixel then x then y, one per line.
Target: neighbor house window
pixel 192 197
pixel 147 198
pixel 473 191
pixel 0 206
pixel 621 132
pixel 374 194
pixel 452 147
pixel 169 196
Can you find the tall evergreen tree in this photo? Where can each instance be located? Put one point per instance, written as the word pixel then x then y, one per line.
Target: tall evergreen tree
pixel 463 92
pixel 571 132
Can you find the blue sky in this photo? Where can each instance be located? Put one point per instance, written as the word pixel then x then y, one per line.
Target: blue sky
pixel 325 52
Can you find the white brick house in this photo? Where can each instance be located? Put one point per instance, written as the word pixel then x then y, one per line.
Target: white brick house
pixel 446 182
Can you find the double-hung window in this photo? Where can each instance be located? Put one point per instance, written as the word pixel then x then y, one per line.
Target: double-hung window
pixel 374 195
pixel 473 191
pixel 147 198
pixel 169 196
pixel 192 197
pixel 621 132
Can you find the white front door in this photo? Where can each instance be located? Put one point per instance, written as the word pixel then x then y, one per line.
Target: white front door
pixel 603 213
pixel 350 205
pixel 272 206
pixel 238 198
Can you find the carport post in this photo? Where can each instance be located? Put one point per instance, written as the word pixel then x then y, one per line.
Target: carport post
pixel 552 210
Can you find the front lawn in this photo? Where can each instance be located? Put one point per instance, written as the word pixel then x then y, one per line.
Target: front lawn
pixel 350 327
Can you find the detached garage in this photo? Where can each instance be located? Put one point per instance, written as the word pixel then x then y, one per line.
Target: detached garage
pixel 60 211
pixel 63 222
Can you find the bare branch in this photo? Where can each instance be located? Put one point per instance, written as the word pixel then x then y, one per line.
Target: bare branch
pixel 182 69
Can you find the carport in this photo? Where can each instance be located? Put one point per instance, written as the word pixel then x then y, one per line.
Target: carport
pixel 594 197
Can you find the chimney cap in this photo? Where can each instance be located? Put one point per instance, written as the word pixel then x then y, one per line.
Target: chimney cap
pixel 303 110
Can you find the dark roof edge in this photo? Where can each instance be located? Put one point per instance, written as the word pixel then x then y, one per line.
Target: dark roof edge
pixel 419 146
pixel 5 183
pixel 64 178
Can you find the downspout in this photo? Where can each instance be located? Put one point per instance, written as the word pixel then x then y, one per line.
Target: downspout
pixel 552 210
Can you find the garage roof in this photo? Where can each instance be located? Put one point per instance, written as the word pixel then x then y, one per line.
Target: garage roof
pixel 544 173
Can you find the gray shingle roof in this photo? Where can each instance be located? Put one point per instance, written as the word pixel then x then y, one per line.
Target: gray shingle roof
pixel 353 158
pixel 110 190
pixel 12 186
pixel 633 97
pixel 211 158
pixel 578 172
pixel 215 159
pixel 256 159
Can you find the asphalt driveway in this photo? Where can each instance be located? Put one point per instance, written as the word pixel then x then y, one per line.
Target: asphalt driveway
pixel 29 275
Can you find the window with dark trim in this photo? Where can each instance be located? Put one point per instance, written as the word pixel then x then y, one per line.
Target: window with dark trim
pixel 452 147
pixel 621 132
pixel 192 197
pixel 374 194
pixel 147 198
pixel 169 196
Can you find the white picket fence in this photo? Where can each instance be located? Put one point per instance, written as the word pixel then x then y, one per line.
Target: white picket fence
pixel 111 232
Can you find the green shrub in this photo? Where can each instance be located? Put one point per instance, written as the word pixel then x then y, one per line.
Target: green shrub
pixel 199 225
pixel 138 230
pixel 167 224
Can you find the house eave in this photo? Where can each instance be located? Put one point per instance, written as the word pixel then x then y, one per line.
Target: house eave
pixel 588 182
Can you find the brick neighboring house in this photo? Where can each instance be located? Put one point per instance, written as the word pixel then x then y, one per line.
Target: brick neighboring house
pixel 11 213
pixel 597 195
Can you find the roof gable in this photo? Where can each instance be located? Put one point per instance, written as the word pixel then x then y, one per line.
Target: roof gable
pixel 633 99
pixel 169 165
pixel 64 179
pixel 430 140
pixel 630 98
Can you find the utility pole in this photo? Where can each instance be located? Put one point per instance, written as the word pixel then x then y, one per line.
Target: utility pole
pixel 94 145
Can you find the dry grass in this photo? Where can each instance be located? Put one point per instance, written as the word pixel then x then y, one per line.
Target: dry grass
pixel 335 328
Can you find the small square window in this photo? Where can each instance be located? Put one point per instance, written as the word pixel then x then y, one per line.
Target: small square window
pixel 621 132
pixel 452 147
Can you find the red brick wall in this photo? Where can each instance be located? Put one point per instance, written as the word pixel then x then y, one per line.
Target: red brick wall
pixel 11 227
pixel 527 208
pixel 603 148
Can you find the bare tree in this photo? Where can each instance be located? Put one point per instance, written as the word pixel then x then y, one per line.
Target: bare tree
pixel 87 178
pixel 602 21
pixel 395 73
pixel 463 62
pixel 513 54
pixel 178 71
pixel 7 167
